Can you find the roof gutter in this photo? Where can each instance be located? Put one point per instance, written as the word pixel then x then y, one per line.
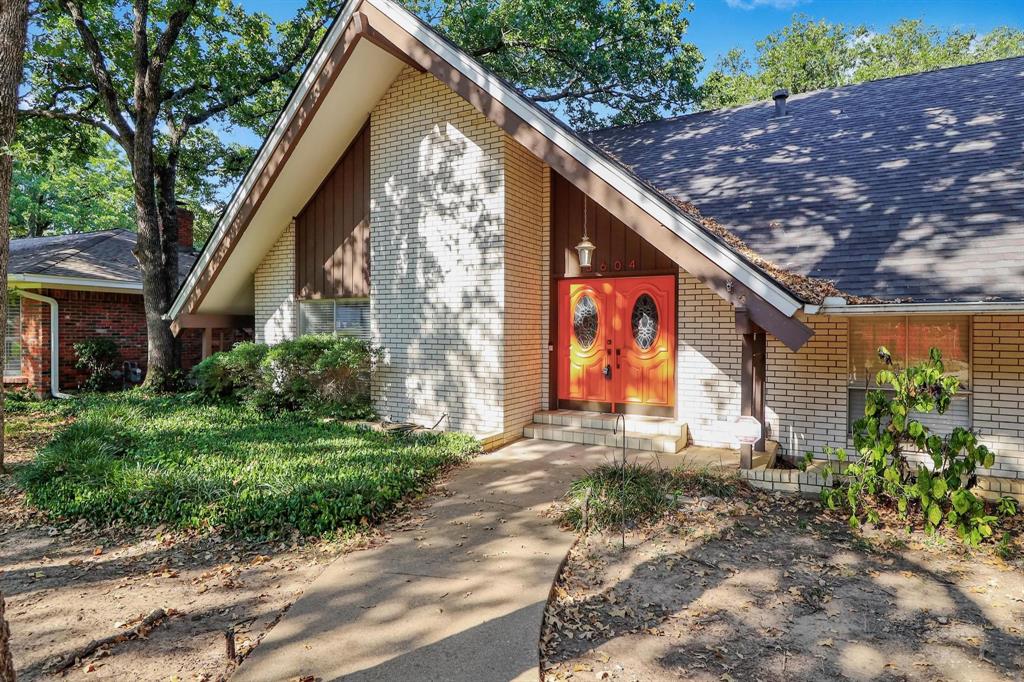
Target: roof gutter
pixel 832 306
pixel 54 341
pixel 60 282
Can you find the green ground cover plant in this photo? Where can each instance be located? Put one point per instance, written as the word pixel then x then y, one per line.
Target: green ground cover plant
pixel 147 459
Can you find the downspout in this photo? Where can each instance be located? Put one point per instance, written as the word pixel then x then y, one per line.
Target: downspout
pixel 54 341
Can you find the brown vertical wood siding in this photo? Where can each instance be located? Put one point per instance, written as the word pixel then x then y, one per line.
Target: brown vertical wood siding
pixel 620 250
pixel 332 232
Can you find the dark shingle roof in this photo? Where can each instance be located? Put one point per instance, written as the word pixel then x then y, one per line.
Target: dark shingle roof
pixel 910 187
pixel 105 255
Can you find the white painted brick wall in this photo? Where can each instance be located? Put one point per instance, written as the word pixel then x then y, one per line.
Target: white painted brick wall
pixel 998 376
pixel 276 314
pixel 806 391
pixel 436 257
pixel 526 256
pixel 708 363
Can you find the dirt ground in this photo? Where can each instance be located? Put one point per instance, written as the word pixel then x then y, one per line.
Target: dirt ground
pixel 758 587
pixel 66 586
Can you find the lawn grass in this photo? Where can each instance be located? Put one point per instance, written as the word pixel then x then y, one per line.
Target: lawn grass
pixel 148 460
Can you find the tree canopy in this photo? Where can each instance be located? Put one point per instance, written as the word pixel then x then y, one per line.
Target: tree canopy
pixel 67 179
pixel 594 62
pixel 813 54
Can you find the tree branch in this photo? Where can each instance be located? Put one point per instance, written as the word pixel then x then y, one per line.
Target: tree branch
pixel 104 82
pixel 164 45
pixel 255 85
pixel 74 116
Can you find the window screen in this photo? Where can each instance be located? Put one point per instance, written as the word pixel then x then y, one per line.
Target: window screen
pixel 316 317
pixel 12 340
pixel 338 316
pixel 909 339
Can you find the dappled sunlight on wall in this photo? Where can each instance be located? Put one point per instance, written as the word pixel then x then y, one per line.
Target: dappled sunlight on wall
pixel 436 241
pixel 276 319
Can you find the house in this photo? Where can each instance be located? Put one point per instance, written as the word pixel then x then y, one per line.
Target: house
pixel 745 262
pixel 69 288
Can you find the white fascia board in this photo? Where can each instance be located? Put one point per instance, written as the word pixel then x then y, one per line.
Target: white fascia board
pixel 959 308
pixel 608 171
pixel 269 145
pixel 59 282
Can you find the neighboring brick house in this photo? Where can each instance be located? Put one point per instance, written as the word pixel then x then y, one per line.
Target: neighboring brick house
pixel 408 195
pixel 91 282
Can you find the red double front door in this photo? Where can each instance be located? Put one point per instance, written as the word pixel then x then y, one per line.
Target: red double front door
pixel 616 340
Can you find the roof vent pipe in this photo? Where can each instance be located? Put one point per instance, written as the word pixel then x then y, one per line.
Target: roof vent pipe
pixel 780 97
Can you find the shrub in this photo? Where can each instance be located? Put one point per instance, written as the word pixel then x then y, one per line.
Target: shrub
pixel 148 459
pixel 344 374
pixel 320 374
pixel 883 438
pixel 99 356
pixel 610 494
pixel 230 375
pixel 290 380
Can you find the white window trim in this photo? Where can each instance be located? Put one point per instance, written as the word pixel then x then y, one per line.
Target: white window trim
pixel 21 353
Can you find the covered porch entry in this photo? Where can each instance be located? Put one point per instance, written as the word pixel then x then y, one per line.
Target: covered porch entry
pixel 616 334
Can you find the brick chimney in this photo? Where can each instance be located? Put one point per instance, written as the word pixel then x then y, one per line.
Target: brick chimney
pixel 185 221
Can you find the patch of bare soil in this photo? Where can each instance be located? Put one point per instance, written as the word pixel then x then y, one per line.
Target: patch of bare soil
pixel 760 587
pixel 67 586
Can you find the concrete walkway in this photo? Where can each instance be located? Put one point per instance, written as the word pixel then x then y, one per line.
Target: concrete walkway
pixel 459 598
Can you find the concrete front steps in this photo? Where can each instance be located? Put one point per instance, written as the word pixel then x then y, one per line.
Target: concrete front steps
pixel 651 434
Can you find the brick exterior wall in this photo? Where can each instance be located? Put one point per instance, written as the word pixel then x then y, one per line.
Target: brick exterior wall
pixel 84 315
pixel 526 253
pixel 276 311
pixel 437 257
pixel 708 363
pixel 997 348
pixel 806 391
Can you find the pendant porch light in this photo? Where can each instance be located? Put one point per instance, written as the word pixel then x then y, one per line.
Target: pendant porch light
pixel 585 249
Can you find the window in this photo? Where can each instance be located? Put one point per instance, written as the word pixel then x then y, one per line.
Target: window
pixel 12 341
pixel 584 322
pixel 645 322
pixel 909 340
pixel 349 316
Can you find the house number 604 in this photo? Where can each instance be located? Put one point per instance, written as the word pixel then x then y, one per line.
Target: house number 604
pixel 617 265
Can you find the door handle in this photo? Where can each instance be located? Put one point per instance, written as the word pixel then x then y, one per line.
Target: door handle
pixel 618 358
pixel 607 371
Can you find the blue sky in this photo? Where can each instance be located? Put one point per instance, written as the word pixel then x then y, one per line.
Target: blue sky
pixel 719 25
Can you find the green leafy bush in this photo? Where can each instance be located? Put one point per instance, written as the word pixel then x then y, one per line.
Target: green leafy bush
pixel 884 437
pixel 290 379
pixel 148 459
pixel 231 375
pixel 313 373
pixel 99 357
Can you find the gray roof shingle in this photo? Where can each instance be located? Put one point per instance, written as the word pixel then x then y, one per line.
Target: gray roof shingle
pixel 910 187
pixel 105 255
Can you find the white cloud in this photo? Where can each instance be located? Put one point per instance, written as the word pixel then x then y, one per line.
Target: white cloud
pixel 753 4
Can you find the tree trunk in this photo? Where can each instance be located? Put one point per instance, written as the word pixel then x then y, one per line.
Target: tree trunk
pixel 13 27
pixel 6 662
pixel 158 280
